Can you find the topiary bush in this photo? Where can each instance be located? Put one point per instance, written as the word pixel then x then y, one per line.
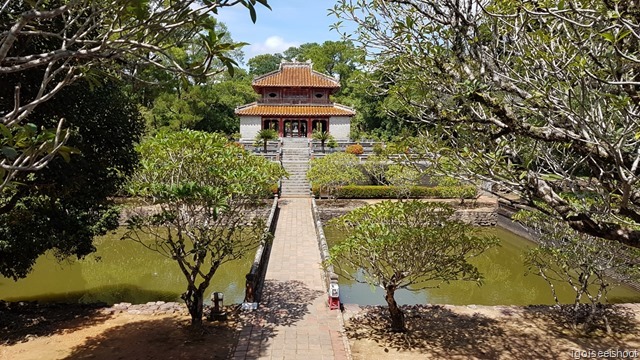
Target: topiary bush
pixel 355 149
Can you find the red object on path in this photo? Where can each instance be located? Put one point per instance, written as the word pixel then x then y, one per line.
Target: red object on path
pixel 334 296
pixel 334 303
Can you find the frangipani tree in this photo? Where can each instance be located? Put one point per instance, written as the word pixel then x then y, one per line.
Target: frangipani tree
pixel 410 244
pixel 584 262
pixel 200 190
pixel 540 97
pixel 66 40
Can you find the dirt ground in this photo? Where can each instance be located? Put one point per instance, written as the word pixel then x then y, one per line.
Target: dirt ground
pixel 488 332
pixel 436 332
pixel 78 333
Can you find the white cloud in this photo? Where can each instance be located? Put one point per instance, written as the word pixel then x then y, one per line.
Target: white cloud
pixel 273 44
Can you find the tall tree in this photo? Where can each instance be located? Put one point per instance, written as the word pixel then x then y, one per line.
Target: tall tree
pixel 63 207
pixel 265 63
pixel 67 40
pixel 207 107
pixel 400 245
pixel 203 189
pixel 539 97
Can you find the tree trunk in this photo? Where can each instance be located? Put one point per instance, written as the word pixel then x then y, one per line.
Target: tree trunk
pixel 397 316
pixel 195 303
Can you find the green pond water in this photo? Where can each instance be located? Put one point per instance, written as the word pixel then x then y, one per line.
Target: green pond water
pixel 119 271
pixel 506 282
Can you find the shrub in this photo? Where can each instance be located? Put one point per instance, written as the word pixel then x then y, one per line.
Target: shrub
pixel 378 148
pixel 355 149
pixel 391 192
pixel 376 167
pixel 334 170
pixel 396 148
pixel 446 181
pixel 236 144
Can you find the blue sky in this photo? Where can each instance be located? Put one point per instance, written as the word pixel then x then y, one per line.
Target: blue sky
pixel 289 23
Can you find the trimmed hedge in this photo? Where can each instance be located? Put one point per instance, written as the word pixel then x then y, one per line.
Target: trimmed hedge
pixel 391 192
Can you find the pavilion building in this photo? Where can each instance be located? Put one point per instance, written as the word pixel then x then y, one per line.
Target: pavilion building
pixel 294 101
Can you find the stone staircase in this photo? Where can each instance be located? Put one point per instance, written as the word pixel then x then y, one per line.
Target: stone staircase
pixel 295 159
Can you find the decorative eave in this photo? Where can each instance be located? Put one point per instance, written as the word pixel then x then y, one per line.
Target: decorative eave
pixel 256 109
pixel 295 74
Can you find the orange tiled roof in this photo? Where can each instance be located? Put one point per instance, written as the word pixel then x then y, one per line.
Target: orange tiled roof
pixel 296 75
pixel 295 110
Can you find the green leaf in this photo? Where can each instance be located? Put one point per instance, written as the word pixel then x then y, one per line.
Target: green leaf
pixel 623 34
pixel 608 36
pixel 6 133
pixel 252 13
pixel 9 152
pixel 264 3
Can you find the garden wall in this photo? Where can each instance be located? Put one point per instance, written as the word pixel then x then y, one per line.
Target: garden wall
pixel 255 277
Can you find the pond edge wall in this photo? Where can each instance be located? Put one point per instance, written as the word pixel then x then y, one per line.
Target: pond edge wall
pixel 255 277
pixel 329 275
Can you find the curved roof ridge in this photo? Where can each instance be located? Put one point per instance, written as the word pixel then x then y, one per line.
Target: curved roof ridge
pixel 296 74
pixel 295 109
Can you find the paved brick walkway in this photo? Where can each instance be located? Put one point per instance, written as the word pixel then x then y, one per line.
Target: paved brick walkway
pixel 293 321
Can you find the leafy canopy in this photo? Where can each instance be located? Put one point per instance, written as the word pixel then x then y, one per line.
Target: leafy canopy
pixel 408 244
pixel 203 190
pixel 540 97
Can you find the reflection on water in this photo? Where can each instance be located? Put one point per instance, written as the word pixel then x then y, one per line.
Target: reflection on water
pixel 506 281
pixel 119 271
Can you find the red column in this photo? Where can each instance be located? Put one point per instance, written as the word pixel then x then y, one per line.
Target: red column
pixel 309 128
pixel 280 127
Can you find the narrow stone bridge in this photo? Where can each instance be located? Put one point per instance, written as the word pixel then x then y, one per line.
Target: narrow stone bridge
pixel 293 320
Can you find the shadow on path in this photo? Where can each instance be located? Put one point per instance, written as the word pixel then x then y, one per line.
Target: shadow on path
pixel 525 333
pixel 284 305
pixel 23 320
pixel 164 338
